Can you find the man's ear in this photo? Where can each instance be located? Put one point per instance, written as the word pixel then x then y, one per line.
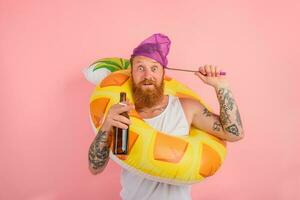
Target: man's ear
pixel 131 61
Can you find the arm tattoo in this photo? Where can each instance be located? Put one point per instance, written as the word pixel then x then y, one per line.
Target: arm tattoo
pixel 206 112
pixel 229 114
pixel 217 126
pixel 238 118
pixel 99 151
pixel 233 129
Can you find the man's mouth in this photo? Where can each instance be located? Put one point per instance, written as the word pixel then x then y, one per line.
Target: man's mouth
pixel 147 83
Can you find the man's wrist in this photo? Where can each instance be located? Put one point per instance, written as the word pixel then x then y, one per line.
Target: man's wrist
pixel 106 129
pixel 222 85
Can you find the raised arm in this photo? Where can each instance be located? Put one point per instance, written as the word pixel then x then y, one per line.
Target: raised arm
pixel 228 124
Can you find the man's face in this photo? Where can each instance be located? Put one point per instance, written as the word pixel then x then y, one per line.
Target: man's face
pixel 144 68
pixel 147 81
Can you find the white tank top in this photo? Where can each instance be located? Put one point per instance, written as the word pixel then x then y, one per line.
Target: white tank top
pixel 172 121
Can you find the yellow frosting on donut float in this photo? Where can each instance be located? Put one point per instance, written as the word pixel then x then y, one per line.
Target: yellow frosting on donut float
pixel 158 156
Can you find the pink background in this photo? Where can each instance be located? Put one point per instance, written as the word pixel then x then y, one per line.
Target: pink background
pixel 45 128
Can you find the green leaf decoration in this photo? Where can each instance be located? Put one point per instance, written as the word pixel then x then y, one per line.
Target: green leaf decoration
pixel 109 67
pixel 111 63
pixel 127 63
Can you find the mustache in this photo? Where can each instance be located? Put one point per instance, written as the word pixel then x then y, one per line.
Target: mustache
pixel 147 81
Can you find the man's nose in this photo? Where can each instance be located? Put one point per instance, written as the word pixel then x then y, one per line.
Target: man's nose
pixel 147 74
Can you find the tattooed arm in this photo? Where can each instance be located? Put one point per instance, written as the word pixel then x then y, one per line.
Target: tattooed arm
pixel 99 152
pixel 226 126
pixel 99 149
pixel 229 114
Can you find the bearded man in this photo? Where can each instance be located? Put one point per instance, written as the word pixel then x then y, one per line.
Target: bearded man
pixel 165 113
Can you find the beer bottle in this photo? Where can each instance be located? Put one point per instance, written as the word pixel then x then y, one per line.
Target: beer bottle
pixel 120 145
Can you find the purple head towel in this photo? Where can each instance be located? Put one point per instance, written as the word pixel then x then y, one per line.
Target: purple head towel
pixel 156 46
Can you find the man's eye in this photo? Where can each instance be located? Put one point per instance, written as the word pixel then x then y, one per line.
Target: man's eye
pixel 154 68
pixel 140 68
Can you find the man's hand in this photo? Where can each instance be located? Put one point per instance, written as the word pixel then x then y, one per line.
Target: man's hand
pixel 213 76
pixel 114 117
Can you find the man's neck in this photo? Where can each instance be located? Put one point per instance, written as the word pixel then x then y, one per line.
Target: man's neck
pixel 160 106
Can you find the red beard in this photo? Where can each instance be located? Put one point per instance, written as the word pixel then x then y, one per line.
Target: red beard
pixel 147 97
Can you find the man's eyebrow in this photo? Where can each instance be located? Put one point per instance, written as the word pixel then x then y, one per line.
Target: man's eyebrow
pixel 142 62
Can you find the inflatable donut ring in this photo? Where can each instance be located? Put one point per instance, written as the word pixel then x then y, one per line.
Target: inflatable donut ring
pixel 178 160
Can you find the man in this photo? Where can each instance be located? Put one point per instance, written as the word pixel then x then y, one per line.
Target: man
pixel 165 113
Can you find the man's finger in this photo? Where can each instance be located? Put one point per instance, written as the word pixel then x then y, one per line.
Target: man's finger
pixel 200 75
pixel 124 108
pixel 207 70
pixel 119 124
pixel 218 71
pixel 122 119
pixel 202 70
pixel 214 72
